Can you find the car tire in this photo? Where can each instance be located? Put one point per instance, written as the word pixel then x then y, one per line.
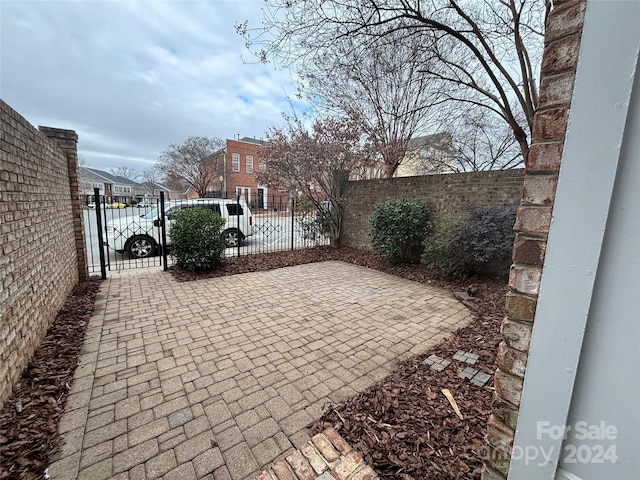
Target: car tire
pixel 141 246
pixel 232 237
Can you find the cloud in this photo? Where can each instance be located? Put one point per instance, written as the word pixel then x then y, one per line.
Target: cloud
pixel 133 77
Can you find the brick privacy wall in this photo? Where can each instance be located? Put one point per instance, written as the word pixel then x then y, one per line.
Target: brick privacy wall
pixel 562 44
pixel 450 196
pixel 39 264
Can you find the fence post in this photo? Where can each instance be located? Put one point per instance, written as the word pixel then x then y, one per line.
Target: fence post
pixel 103 263
pixel 293 208
pixel 163 229
pixel 238 220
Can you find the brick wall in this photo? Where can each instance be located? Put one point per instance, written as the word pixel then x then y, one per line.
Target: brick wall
pixel 450 196
pixel 40 236
pixel 562 43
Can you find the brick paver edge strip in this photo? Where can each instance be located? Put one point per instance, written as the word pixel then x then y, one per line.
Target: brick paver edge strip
pixel 327 456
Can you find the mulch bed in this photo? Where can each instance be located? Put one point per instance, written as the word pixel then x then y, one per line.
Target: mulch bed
pixel 29 418
pixel 404 426
pixel 270 261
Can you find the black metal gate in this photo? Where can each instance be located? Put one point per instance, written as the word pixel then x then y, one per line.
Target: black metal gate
pixel 112 232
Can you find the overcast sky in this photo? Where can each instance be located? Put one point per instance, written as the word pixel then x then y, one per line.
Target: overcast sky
pixel 133 77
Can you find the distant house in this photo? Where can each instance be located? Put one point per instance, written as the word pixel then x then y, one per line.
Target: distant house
pixel 147 190
pixel 428 154
pixel 240 164
pixel 89 180
pixel 114 188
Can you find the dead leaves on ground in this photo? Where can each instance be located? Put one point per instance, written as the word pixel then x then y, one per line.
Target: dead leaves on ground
pixel 29 418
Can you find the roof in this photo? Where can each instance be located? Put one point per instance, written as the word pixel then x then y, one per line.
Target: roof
pixel 252 140
pixel 155 186
pixel 441 140
pixel 93 175
pixel 102 176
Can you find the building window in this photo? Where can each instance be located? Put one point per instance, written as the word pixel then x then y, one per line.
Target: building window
pixel 262 167
pixel 244 193
pixel 249 163
pixel 235 162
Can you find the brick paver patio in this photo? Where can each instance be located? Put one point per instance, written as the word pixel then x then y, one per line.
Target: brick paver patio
pixel 217 378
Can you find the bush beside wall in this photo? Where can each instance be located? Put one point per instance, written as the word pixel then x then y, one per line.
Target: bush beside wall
pixel 450 197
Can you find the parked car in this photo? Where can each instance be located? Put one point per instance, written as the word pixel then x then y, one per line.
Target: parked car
pixel 145 205
pixel 91 205
pixel 140 236
pixel 116 205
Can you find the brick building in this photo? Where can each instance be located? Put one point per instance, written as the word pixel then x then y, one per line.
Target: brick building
pixel 240 164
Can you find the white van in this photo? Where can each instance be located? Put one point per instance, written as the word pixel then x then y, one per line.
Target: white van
pixel 140 236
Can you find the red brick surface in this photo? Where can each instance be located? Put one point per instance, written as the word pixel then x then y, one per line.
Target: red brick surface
pixel 556 90
pixel 533 220
pixel 333 436
pixel 530 251
pixel 508 387
pixel 499 435
pixel 505 412
pixel 566 20
pixel 511 361
pixel 561 55
pixel 300 466
pixel 315 459
pixel 539 189
pixel 321 454
pixel 525 279
pixel 544 157
pixel 242 178
pixel 550 124
pixel 347 466
pixel 516 335
pixel 325 448
pixel 282 472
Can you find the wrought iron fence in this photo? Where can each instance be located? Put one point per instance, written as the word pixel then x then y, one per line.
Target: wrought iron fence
pixel 131 236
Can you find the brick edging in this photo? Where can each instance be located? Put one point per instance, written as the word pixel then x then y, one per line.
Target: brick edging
pixel 327 456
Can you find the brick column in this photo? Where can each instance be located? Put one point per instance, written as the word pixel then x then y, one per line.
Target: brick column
pixel 67 140
pixel 562 44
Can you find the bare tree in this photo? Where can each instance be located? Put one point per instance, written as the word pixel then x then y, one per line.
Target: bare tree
pixel 195 162
pixel 481 141
pixel 487 52
pixel 174 182
pixel 152 177
pixel 384 82
pixel 125 172
pixel 317 162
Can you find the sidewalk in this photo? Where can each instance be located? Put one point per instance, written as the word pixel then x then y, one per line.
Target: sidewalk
pixel 218 378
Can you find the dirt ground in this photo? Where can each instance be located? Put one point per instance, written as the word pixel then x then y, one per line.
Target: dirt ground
pixel 404 426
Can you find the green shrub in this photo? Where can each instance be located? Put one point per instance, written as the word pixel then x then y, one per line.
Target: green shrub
pixel 447 257
pixel 489 235
pixel 311 229
pixel 398 229
pixel 196 241
pixel 305 205
pixel 481 244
